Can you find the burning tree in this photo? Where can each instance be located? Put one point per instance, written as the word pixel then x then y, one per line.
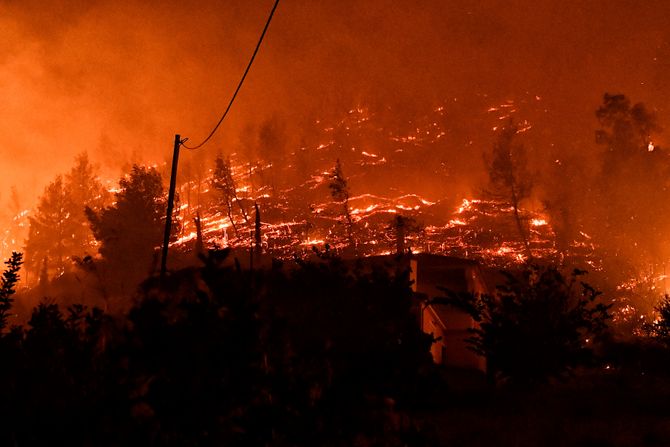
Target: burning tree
pixel 59 229
pixel 339 190
pixel 224 182
pixel 51 228
pixel 85 190
pixel 509 178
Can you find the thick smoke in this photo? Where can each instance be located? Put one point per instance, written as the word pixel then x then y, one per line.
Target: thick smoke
pixel 119 79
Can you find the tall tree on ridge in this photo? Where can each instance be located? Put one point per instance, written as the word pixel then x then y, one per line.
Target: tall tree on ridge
pixel 633 184
pixel 130 231
pixel 509 177
pixel 339 190
pixel 52 229
pixel 58 227
pixel 223 181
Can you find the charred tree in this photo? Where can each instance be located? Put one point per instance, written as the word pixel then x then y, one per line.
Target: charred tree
pixel 224 182
pixel 402 227
pixel 339 190
pixel 199 243
pixel 509 178
pixel 258 242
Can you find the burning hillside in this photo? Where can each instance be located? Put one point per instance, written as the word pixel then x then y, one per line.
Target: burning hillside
pixel 401 185
pixel 296 217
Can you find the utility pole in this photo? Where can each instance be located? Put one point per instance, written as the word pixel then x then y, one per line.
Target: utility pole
pixel 170 205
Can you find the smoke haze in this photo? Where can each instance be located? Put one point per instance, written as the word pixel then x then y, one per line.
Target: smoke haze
pixel 120 79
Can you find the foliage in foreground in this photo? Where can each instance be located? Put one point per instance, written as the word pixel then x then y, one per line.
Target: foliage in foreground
pixel 314 355
pixel 538 326
pixel 660 328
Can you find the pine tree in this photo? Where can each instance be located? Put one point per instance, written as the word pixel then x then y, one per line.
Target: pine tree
pixel 44 275
pixel 402 227
pixel 52 229
pixel 199 242
pixel 509 178
pixel 632 185
pixel 258 242
pixel 339 190
pixel 130 231
pixel 58 227
pixel 224 182
pixel 8 282
pixel 85 190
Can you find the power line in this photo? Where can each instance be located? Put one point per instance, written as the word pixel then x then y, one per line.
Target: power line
pixel 239 86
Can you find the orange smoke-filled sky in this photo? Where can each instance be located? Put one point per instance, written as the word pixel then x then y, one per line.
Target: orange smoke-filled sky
pixel 119 79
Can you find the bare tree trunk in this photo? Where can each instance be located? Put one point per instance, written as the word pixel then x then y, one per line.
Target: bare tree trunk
pixel 519 226
pixel 230 216
pixel 350 224
pixel 244 213
pixel 257 231
pixel 199 243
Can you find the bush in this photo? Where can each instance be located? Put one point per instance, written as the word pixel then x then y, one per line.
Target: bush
pixel 538 326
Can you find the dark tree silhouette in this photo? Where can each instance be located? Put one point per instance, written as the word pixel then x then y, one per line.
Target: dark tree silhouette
pixel 223 181
pixel 625 129
pixel 660 328
pixel 258 240
pixel 130 231
pixel 538 326
pixel 199 241
pixel 509 177
pixel 567 198
pixel 8 282
pixel 402 227
pixel 339 190
pixel 633 185
pixel 220 356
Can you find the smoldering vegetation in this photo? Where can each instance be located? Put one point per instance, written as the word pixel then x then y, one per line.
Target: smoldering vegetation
pixel 526 136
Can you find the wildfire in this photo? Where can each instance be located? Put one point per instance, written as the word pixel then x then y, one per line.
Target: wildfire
pixel 302 215
pixel 476 229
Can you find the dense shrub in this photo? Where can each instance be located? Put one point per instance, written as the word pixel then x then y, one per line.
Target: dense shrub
pixel 539 325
